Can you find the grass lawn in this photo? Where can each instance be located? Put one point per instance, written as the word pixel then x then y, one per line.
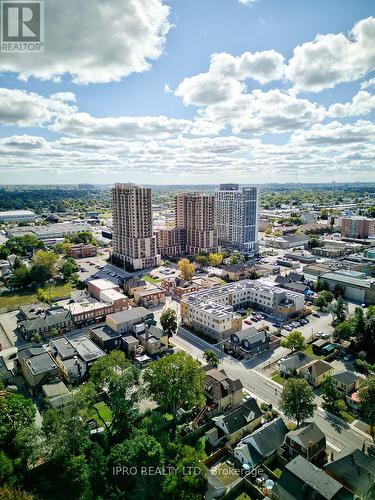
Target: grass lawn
pixel 276 377
pixel 150 279
pixel 348 417
pixel 13 300
pixel 104 411
pixel 277 472
pixel 309 352
pixel 226 473
pixel 243 496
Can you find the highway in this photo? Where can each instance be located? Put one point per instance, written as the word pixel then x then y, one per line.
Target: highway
pixel 341 438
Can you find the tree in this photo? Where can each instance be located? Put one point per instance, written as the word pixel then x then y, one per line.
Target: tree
pixel 339 310
pixel 297 400
pixel 358 322
pixel 20 278
pixel 330 395
pixel 6 467
pixel 367 398
pixel 211 358
pixel 182 484
pixel 44 266
pixel 168 321
pixel 344 330
pixel 68 269
pixel 201 260
pixel 44 296
pixel 215 259
pixel 315 242
pixel 107 367
pixel 77 477
pixel 16 412
pixel 339 290
pixel 140 450
pixel 294 341
pixel 186 268
pixel 324 298
pixel 175 382
pixel 236 258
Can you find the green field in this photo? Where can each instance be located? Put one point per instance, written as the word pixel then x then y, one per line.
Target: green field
pixel 104 411
pixel 276 377
pixel 13 300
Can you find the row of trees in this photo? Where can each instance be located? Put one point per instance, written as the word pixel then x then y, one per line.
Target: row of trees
pixel 361 327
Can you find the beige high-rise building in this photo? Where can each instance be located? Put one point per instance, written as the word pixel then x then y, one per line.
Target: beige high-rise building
pixel 134 245
pixel 195 212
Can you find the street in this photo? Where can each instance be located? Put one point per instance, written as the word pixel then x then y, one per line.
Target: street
pixel 341 438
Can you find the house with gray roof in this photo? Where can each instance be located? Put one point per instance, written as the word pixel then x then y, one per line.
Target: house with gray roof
pixel 236 423
pixel 37 365
pixel 249 342
pixel 292 365
pixel 261 444
pixel 355 471
pixel 307 440
pixel 347 382
pixel 222 392
pixel 55 319
pixel 301 480
pixel 6 375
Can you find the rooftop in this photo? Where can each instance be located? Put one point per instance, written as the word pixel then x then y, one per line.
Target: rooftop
pixel 102 284
pixel 86 349
pixel 137 313
pixel 41 363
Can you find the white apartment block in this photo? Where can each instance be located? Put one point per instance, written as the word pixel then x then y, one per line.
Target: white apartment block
pixel 134 245
pixel 197 309
pixel 236 215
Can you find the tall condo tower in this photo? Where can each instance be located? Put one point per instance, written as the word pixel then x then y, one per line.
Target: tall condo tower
pixel 195 213
pixel 134 245
pixel 237 217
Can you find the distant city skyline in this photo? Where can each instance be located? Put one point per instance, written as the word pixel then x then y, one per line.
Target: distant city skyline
pixel 162 92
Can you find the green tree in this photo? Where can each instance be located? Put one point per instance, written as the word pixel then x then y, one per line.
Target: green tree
pixel 367 398
pixel 201 260
pixel 108 367
pixel 297 400
pixel 358 322
pixel 330 396
pixel 339 290
pixel 236 258
pixel 211 357
pixel 184 387
pixel 140 450
pixel 294 341
pixel 188 480
pixel 44 266
pixel 16 412
pixel 339 311
pixel 20 278
pixel 77 477
pixel 186 268
pixel 6 467
pixel 343 331
pixel 325 297
pixel 68 269
pixel 168 321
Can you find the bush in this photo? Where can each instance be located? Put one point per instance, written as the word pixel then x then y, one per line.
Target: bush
pixel 364 366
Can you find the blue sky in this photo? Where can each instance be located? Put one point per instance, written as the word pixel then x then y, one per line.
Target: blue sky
pixel 128 93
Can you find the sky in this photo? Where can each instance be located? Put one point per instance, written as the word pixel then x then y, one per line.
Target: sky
pixel 192 92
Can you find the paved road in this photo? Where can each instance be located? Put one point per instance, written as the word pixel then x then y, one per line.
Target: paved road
pixel 340 437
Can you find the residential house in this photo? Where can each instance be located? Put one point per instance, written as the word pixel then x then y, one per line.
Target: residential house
pixel 55 320
pixel 37 365
pixel 233 425
pixel 249 342
pixel 347 382
pixel 261 444
pixel 301 480
pixel 153 339
pixel 307 440
pixel 291 366
pixel 235 272
pixel 355 471
pixel 316 372
pixel 56 394
pixel 130 345
pixel 221 391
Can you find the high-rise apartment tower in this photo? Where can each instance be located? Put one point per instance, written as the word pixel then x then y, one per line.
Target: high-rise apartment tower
pixel 134 245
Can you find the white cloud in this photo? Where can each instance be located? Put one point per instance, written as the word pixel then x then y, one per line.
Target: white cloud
pixel 334 58
pixel 95 41
pixel 368 83
pixel 362 104
pixel 167 89
pixel 336 133
pixel 21 108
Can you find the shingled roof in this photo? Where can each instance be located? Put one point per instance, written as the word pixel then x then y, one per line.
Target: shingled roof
pixel 241 415
pixel 219 385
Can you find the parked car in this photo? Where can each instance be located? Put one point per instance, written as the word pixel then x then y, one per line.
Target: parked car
pixel 248 322
pixel 325 335
pixel 288 328
pixel 348 357
pixel 315 314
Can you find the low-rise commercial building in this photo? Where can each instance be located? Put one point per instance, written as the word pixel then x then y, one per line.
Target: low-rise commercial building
pixel 123 322
pixel 52 231
pixel 37 365
pixel 17 216
pixel 356 285
pixel 81 251
pixel 54 321
pixel 96 287
pixel 150 296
